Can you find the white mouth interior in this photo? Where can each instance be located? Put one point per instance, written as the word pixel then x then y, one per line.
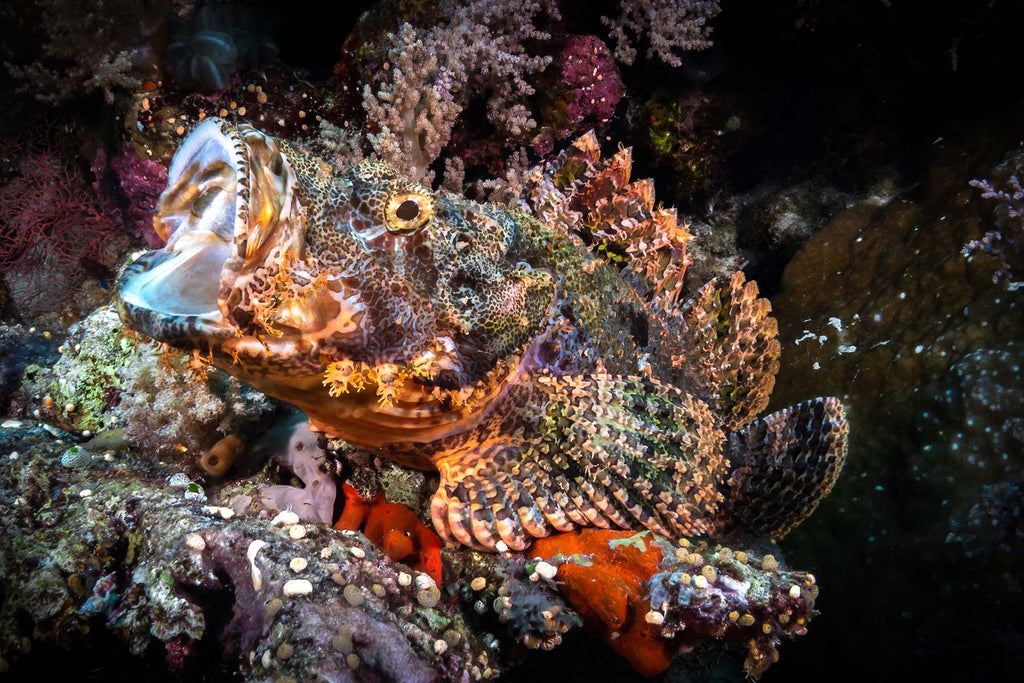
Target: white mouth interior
pixel 185 282
pixel 198 214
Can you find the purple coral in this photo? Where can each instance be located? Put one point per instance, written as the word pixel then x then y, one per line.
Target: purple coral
pixel 130 186
pixel 589 72
pixel 296 448
pixel 1005 243
pixel 718 593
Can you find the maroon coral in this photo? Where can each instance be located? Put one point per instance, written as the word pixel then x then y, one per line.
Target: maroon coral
pixel 590 74
pixel 130 187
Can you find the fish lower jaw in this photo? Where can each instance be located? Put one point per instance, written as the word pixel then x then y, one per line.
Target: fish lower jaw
pixel 174 292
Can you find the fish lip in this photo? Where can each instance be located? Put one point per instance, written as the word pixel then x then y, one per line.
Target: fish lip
pixel 268 227
pixel 138 312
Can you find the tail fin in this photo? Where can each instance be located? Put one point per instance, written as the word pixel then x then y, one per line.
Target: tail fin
pixel 783 465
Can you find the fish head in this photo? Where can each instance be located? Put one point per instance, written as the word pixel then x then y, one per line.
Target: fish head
pixel 387 312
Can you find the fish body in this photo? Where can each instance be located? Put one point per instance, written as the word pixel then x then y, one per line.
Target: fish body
pixel 537 356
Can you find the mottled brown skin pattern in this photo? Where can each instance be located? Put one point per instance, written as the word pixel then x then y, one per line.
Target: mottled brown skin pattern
pixel 547 370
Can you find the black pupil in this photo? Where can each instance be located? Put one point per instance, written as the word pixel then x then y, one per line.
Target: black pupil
pixel 407 210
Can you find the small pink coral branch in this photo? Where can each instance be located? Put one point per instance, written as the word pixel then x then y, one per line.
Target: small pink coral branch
pixel 1006 241
pixel 669 25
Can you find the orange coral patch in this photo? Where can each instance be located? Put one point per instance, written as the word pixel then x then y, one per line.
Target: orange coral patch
pixel 609 594
pixel 393 528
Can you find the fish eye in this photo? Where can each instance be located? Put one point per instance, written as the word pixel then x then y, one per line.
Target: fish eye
pixel 407 211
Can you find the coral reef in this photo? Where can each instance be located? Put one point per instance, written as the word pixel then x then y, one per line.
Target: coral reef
pixel 294 448
pixel 582 86
pixel 130 187
pixel 1005 243
pixel 75 51
pixel 668 25
pixel 81 388
pixel 426 77
pixel 874 148
pixel 691 138
pixel 651 598
pixel 22 348
pixel 52 228
pixel 99 547
pixel 124 544
pixel 105 379
pixel 883 305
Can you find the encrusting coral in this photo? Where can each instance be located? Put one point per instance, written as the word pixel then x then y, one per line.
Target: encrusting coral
pixel 393 528
pixel 884 301
pixel 105 380
pixel 652 599
pixel 291 446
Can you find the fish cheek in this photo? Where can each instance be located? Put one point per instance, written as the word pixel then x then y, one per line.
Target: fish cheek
pixel 515 312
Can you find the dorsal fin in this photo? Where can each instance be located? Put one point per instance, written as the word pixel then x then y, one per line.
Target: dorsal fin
pixel 728 351
pixel 584 194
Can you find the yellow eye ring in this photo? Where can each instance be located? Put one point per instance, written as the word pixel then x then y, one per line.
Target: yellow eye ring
pixel 407 211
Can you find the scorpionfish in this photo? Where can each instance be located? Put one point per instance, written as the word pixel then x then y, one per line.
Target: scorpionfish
pixel 539 355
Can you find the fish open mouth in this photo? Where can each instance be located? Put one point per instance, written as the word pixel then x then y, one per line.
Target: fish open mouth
pixel 228 202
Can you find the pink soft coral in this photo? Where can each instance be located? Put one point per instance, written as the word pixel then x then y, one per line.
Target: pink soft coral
pixel 51 229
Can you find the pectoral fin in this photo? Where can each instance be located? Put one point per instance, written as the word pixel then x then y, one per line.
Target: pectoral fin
pixel 729 350
pixel 567 452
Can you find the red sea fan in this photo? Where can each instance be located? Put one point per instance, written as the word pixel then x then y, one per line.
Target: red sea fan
pixel 51 228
